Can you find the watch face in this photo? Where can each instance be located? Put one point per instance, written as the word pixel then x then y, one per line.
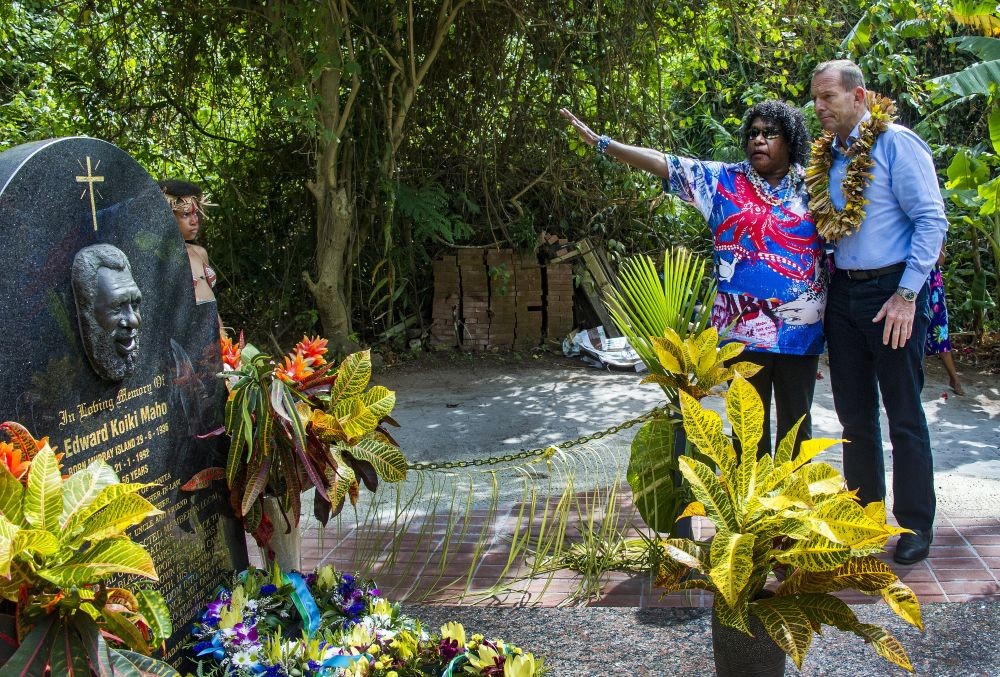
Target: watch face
pixel 907 294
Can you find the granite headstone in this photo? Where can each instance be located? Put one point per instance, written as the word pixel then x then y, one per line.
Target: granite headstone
pixel 125 368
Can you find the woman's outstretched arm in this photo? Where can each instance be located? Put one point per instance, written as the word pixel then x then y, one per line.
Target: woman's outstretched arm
pixel 646 159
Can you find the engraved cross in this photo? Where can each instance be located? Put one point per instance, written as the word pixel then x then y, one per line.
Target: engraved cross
pixel 90 180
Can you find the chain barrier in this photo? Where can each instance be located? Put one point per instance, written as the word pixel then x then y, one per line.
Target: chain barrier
pixel 549 450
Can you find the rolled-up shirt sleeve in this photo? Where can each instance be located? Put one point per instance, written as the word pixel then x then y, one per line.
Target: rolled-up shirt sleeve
pixel 915 185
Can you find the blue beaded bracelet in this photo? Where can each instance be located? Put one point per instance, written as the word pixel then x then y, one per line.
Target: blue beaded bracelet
pixel 602 144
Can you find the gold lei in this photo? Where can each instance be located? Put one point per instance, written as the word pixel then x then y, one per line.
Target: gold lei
pixel 831 224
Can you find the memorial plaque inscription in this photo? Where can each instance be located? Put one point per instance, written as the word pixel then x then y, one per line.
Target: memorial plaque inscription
pixel 128 374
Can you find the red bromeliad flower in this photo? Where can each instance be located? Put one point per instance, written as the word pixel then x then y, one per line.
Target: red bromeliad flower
pixel 295 370
pixel 231 352
pixel 313 349
pixel 11 458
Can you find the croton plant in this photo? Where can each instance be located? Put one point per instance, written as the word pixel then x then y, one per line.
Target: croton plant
pixel 61 539
pixel 298 423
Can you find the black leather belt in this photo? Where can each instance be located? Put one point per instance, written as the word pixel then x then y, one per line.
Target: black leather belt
pixel 872 273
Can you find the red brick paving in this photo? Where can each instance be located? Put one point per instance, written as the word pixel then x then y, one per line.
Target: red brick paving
pixel 964 563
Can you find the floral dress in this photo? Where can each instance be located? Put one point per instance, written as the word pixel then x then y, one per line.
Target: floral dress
pixel 937 332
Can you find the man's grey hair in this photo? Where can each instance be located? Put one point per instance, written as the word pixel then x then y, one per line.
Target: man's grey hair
pixel 850 74
pixel 85 266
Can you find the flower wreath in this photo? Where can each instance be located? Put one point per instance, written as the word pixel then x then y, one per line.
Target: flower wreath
pixel 830 223
pixel 333 624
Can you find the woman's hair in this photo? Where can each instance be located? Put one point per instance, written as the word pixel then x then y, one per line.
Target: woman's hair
pixel 184 195
pixel 179 188
pixel 789 119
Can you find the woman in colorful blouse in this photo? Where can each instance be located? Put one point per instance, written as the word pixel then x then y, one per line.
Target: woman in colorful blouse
pixel 769 262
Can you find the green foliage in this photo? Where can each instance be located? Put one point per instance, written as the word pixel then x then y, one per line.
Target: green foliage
pixel 60 539
pixel 428 208
pixel 787 514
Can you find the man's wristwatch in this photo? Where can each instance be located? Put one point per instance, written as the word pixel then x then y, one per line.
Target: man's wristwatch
pixel 907 295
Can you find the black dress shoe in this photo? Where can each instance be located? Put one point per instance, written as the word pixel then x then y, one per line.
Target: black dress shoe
pixel 913 547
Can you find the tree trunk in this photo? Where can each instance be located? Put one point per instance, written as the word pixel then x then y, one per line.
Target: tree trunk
pixel 334 220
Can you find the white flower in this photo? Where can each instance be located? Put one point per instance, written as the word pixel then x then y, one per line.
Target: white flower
pixel 243 659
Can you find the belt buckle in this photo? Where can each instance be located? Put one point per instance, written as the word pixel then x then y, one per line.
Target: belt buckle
pixel 849 274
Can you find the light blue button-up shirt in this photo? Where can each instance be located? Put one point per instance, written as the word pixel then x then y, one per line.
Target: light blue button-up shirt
pixel 904 214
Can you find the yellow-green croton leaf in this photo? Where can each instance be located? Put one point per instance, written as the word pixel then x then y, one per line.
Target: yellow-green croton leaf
pixel 738 617
pixel 704 431
pixel 844 521
pixel 746 415
pixel 388 461
pixel 824 479
pixel 11 494
pixel 684 552
pixel 903 601
pixel 117 516
pixel 887 646
pixel 668 354
pixel 732 564
pixel 106 558
pixel 352 376
pixel 83 487
pixel 817 553
pixel 786 445
pixel 380 401
pixel 42 502
pixel 866 574
pixel 787 624
pixel 693 509
pixel 706 488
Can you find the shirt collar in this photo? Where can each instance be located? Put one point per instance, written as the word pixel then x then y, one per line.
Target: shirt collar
pixel 855 133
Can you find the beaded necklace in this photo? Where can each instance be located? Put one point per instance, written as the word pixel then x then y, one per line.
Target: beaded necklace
pixel 764 190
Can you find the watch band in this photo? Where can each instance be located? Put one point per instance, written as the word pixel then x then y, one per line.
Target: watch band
pixel 907 295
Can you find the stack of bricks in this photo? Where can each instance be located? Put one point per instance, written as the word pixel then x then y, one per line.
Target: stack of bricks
pixel 446 314
pixel 528 301
pixel 500 264
pixel 475 300
pixel 559 300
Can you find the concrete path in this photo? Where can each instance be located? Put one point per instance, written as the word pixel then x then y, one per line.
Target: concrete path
pixel 464 407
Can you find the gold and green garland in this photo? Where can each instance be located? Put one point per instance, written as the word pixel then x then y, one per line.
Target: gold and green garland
pixel 830 223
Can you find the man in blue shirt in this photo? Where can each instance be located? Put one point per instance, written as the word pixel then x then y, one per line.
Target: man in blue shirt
pixel 886 231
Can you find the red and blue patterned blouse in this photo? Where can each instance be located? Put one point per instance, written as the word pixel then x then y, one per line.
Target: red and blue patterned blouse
pixel 769 261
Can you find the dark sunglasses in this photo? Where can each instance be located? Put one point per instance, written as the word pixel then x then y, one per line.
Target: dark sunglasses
pixel 768 132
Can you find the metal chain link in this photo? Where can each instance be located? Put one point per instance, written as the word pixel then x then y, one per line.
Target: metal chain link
pixel 540 451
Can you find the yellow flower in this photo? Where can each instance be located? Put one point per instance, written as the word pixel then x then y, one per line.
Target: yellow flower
pixel 455 631
pixel 359 668
pixel 485 657
pixel 521 665
pixel 405 645
pixel 360 636
pixel 325 577
pixel 382 607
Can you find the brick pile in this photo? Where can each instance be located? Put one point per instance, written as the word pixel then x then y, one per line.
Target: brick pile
pixel 446 311
pixel 528 301
pixel 500 265
pixel 475 300
pixel 490 299
pixel 559 300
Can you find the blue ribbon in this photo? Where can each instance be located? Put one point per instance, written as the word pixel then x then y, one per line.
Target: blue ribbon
pixel 303 601
pixel 453 665
pixel 340 661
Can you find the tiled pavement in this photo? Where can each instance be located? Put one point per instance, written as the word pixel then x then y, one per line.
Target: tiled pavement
pixel 964 563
